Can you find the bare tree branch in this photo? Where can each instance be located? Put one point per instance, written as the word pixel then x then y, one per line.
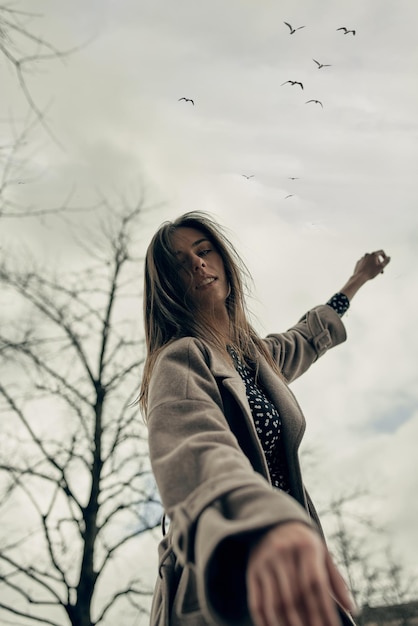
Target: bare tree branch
pixel 41 620
pixel 88 484
pixel 24 50
pixel 360 547
pixel 121 594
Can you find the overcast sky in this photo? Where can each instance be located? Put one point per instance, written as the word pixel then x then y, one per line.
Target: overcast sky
pixel 114 108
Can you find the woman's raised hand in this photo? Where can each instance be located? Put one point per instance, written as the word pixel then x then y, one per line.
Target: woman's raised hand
pixel 291 579
pixel 372 264
pixel 368 267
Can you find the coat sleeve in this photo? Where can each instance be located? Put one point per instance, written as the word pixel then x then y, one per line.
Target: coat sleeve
pixel 208 487
pixel 295 350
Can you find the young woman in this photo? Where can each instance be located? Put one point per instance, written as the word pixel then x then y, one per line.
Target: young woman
pixel 244 544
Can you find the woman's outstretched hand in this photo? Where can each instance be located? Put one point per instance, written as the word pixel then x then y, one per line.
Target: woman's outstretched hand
pixel 291 579
pixel 366 268
pixel 370 265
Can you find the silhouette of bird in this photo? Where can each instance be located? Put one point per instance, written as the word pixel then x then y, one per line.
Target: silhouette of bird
pixel 247 177
pixel 293 30
pixel 293 82
pixel 321 64
pixel 186 100
pixel 317 102
pixel 289 196
pixel 293 177
pixel 346 30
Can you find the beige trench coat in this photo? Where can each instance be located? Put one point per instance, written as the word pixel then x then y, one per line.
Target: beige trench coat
pixel 216 496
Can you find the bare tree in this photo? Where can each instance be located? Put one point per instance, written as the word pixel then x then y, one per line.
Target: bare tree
pixel 404 584
pixel 375 576
pixel 23 49
pixel 76 489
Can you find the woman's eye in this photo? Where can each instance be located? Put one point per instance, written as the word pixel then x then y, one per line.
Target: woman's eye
pixel 204 252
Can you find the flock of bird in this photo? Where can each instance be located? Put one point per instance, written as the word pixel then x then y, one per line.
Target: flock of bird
pixel 319 65
pixel 346 31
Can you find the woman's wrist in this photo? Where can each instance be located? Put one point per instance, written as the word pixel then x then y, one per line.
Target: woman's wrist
pixel 353 285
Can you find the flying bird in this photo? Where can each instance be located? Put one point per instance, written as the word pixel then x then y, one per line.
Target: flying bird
pixel 316 101
pixel 247 177
pixel 186 100
pixel 346 30
pixel 293 82
pixel 293 30
pixel 321 64
pixel 293 177
pixel 289 196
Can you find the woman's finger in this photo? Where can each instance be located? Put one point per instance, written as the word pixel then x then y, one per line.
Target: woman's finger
pixel 339 587
pixel 288 595
pixel 319 607
pixel 255 599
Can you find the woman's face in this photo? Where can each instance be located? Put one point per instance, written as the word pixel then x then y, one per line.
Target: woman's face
pixel 201 269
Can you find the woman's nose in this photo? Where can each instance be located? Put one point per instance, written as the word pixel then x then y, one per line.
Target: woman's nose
pixel 198 262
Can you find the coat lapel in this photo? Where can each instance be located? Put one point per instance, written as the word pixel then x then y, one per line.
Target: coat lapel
pixel 237 410
pixel 293 426
pixel 293 421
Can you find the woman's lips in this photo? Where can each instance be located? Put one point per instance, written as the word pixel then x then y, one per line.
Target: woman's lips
pixel 206 281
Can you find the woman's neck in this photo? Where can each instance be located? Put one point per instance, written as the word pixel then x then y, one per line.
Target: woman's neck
pixel 220 325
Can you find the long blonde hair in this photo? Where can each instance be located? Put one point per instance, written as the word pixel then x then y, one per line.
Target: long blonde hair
pixel 169 315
